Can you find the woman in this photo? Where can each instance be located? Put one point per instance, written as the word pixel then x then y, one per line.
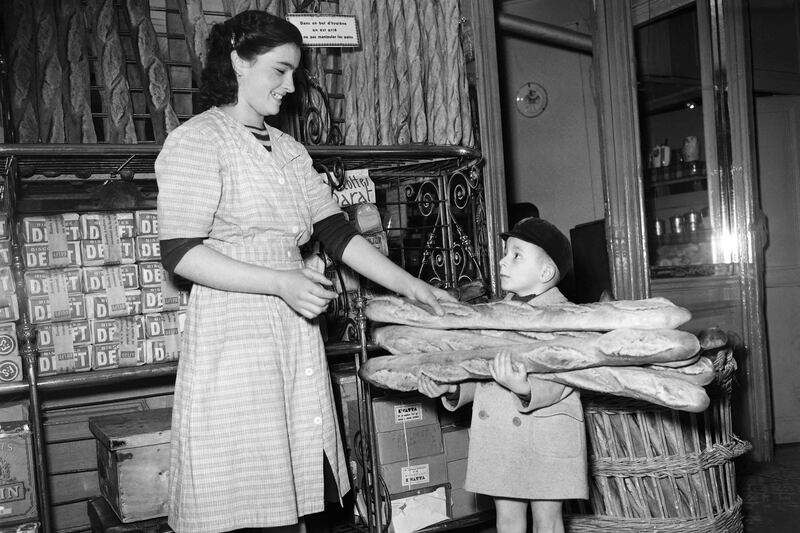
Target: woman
pixel 254 432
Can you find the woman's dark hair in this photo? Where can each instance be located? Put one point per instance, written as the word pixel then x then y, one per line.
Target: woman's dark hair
pixel 250 33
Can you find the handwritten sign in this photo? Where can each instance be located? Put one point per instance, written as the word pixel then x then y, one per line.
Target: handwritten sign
pixel 319 30
pixel 358 188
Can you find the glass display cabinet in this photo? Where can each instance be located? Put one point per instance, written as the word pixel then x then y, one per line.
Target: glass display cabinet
pixel 685 191
pixel 674 93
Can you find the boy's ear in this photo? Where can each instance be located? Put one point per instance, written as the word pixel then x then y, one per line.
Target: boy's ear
pixel 548 272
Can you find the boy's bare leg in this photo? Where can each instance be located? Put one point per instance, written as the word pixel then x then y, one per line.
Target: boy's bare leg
pixel 547 516
pixel 512 515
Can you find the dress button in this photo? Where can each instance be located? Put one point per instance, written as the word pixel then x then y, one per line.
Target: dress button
pixel 483 415
pixel 517 421
pixel 317 420
pixel 281 181
pixel 309 371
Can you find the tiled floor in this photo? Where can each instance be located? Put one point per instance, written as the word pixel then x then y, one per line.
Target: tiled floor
pixel 771 493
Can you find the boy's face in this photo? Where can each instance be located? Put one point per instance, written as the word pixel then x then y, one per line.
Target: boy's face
pixel 522 267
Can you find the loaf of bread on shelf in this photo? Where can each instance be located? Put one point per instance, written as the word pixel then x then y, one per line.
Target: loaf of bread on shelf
pixel 651 313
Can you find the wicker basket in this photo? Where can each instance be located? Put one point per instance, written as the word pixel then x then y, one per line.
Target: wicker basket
pixel 656 469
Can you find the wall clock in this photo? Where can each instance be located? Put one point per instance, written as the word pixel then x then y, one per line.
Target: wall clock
pixel 531 99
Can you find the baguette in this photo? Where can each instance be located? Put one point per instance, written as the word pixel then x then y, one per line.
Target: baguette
pixel 652 313
pixel 537 356
pixel 195 31
pixel 661 387
pixel 638 383
pixel 409 340
pixel 701 372
pixel 668 346
pixel 156 86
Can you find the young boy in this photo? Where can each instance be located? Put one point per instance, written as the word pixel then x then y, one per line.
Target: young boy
pixel 527 438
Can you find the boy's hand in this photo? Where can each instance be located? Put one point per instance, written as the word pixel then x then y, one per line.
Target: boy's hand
pixel 510 375
pixel 433 389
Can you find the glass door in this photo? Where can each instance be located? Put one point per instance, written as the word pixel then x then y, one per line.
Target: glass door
pixel 686 216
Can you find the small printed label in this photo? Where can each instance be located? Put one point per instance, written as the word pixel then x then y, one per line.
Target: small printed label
pixel 407 413
pixel 415 475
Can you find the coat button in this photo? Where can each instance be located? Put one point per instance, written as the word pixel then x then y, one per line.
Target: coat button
pixel 317 420
pixel 309 371
pixel 517 421
pixel 281 181
pixel 483 415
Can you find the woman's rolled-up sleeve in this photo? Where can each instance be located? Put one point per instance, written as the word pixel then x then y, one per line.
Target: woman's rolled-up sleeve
pixel 321 202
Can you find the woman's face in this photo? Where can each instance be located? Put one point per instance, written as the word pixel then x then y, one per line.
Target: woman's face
pixel 264 82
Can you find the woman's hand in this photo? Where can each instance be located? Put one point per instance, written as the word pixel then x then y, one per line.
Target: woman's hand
pixel 428 294
pixel 434 389
pixel 304 290
pixel 510 375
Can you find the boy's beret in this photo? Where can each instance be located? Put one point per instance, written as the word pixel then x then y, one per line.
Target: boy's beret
pixel 547 237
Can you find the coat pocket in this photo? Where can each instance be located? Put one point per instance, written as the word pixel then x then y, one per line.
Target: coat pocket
pixel 558 436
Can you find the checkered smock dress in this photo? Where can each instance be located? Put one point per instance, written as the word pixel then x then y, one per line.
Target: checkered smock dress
pixel 254 411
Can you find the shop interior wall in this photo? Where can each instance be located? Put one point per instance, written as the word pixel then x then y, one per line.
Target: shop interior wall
pixel 552 160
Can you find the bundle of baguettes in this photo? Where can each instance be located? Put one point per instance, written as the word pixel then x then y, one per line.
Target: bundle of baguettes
pixel 628 348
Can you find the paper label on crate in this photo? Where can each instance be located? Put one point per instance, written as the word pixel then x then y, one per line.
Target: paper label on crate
pixel 146 222
pixel 51 362
pixel 92 225
pixel 40 255
pixel 57 246
pixel 358 188
pixel 115 294
pixel 109 232
pixel 7 284
pixel 415 475
pixel 9 310
pixel 151 274
pixel 35 228
pixel 5 252
pixel 62 338
pixel 37 282
pixel 95 279
pixel 98 306
pixel 128 343
pixel 8 340
pixel 169 294
pixel 410 412
pixel 10 368
pixel 159 352
pixel 58 299
pixel 80 331
pixel 148 248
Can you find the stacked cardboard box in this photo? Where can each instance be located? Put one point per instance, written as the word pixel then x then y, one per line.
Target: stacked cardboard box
pixel 97 293
pixel 10 362
pixel 18 502
pixel 409 444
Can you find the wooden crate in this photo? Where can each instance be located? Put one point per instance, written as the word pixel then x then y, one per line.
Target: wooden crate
pixel 133 462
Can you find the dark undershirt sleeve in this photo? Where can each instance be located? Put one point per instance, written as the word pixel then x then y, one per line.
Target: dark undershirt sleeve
pixel 173 250
pixel 335 233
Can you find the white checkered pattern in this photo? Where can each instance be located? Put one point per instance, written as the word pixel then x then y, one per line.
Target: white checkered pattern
pixel 253 410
